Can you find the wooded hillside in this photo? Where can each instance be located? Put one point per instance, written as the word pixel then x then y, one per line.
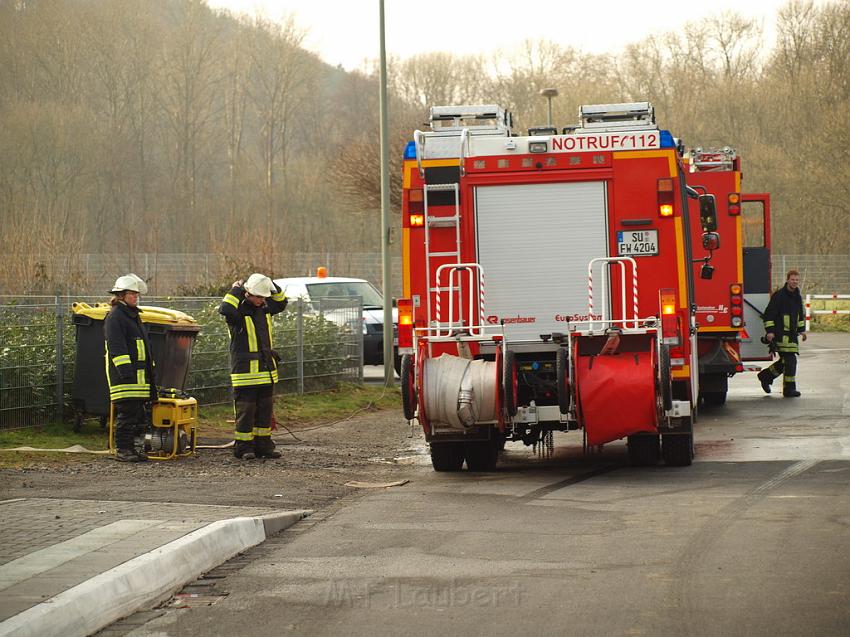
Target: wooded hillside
pixel 162 126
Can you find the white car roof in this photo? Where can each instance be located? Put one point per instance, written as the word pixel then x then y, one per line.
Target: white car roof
pixel 307 280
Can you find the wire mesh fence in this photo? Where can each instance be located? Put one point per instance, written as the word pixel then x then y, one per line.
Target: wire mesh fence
pixel 51 364
pixel 819 274
pixel 179 273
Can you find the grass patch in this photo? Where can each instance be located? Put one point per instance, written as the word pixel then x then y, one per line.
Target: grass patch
pixel 54 436
pixel 215 421
pixel 297 411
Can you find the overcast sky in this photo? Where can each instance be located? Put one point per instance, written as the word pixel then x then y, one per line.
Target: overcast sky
pixel 346 31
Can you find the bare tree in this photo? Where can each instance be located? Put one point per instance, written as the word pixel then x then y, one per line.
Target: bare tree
pixel 277 82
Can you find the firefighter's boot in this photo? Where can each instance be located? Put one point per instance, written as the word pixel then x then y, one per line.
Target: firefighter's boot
pixel 765 378
pixel 264 447
pixel 244 450
pixel 789 390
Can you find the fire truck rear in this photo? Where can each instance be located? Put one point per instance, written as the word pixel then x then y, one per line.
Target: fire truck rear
pixel 734 289
pixel 549 285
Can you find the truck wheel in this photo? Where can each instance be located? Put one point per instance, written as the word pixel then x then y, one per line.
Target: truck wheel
pixel 643 450
pixel 408 387
pixel 563 374
pixel 509 384
pixel 481 455
pixel 664 378
pixel 678 449
pixel 447 456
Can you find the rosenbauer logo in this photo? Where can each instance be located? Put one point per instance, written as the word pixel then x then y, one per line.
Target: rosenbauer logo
pixel 494 319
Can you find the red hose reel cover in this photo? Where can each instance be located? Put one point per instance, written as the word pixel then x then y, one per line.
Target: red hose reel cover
pixel 617 395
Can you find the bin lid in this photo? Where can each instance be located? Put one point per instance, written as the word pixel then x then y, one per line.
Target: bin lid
pixel 149 314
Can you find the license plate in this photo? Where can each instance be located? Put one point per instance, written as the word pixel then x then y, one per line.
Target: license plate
pixel 637 243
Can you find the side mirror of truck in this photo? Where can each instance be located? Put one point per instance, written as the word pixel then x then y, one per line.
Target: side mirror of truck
pixel 706 271
pixel 710 240
pixel 708 213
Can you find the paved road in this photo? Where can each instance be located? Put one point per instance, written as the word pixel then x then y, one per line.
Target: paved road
pixel 753 539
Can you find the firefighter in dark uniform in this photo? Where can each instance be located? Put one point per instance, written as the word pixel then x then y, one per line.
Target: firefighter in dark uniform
pixel 784 320
pixel 129 366
pixel 253 363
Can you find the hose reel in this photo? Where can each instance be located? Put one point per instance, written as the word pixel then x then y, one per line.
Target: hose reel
pixel 459 392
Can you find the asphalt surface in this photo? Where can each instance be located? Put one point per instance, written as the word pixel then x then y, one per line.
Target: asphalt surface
pixel 753 539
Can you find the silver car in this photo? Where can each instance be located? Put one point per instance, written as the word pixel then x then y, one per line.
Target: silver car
pixel 313 289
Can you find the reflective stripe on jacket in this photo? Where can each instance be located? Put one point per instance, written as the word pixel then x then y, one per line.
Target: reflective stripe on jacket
pixel 129 364
pixel 785 319
pixel 251 358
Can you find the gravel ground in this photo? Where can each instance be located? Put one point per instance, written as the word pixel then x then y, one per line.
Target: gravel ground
pixel 370 447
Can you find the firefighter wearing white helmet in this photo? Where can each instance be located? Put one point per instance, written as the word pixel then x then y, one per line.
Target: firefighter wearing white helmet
pixel 129 365
pixel 248 308
pixel 129 283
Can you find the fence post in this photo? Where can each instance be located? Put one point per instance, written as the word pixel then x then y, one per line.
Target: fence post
pixel 60 363
pixel 360 336
pixel 299 344
pixel 808 312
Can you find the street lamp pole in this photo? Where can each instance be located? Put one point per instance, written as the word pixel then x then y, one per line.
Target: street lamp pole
pixel 549 93
pixel 386 282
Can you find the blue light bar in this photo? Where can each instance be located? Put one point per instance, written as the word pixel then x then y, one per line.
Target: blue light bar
pixel 667 140
pixel 410 150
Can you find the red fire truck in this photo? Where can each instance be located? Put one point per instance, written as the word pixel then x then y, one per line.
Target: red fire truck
pixel 549 284
pixel 730 302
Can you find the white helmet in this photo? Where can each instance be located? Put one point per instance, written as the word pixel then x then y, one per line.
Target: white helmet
pixel 259 285
pixel 129 282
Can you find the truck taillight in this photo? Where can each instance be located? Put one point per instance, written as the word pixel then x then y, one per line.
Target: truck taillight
pixel 734 203
pixel 736 304
pixel 405 322
pixel 416 208
pixel 665 197
pixel 669 318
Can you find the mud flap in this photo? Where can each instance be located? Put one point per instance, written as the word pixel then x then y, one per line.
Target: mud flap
pixel 617 395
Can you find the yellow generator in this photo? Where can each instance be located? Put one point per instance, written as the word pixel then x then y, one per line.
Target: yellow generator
pixel 172 434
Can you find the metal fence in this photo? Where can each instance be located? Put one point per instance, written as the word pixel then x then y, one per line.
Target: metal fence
pixel 320 345
pixel 819 274
pixel 179 274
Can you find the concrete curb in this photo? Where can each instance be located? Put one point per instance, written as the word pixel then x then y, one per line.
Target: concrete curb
pixel 129 587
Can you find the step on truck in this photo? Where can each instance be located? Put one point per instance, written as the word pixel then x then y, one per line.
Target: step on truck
pixel 549 284
pixel 730 302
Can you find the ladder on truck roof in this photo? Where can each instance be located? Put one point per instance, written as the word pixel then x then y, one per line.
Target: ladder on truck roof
pixel 712 159
pixel 481 119
pixel 615 117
